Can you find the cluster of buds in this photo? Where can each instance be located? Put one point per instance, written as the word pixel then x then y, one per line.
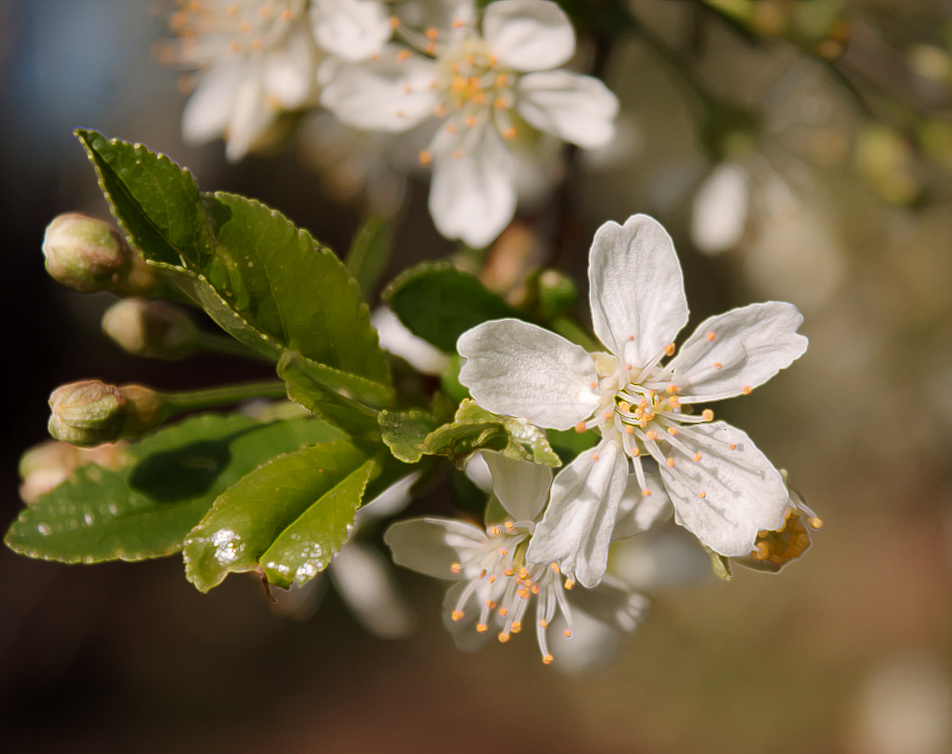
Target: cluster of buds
pixel 89 255
pixel 90 412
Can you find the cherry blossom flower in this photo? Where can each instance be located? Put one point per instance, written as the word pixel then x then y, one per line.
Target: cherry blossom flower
pixel 495 88
pixel 495 583
pixel 723 488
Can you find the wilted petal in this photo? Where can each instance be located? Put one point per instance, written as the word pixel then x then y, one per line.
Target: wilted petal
pixel 732 353
pixel 365 583
pixel 350 29
pixel 612 603
pixel 473 196
pixel 433 545
pixel 522 370
pixel 742 491
pixel 386 94
pixel 528 35
pixel 637 290
pixel 637 512
pixel 576 108
pixel 577 527
pixel 521 486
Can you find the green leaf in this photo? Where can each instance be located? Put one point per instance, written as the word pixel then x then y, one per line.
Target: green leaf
pixel 439 303
pixel 405 432
pixel 249 516
pixel 570 443
pixel 306 547
pixel 146 508
pixel 156 201
pixel 266 282
pixel 369 253
pixel 475 428
pixel 339 398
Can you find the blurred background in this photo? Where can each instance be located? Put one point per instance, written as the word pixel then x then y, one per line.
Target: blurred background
pixel 801 152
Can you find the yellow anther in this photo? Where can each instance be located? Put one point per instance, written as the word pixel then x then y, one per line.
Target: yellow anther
pixel 635 453
pixel 245 27
pixel 503 612
pixel 458 24
pixel 503 552
pixel 394 22
pixel 702 494
pixel 569 584
pixel 711 336
pixel 718 365
pixel 457 154
pixel 646 492
pixel 481 628
pixel 733 446
pixel 493 531
pixel 256 44
pixel 492 61
pixel 400 114
pixel 547 659
pixel 503 637
pixel 432 33
pixel 761 551
pixel 457 615
pixel 580 427
pixel 554 567
pixel 516 627
pixel 491 604
pixel 669 349
pixel 523 573
pixel 510 526
pixel 567 633
pixel 471 121
pixel 509 133
pixel 631 337
pixel 455 568
pixel 697 457
pixel 708 415
pixel 440 110
pixel 595 456
pixel 815 523
pixel 508 572
pixel 492 579
pixel 629 430
pixel 543 624
pixel 535 588
pixel 672 388
pixel 670 463
pixel 501 80
pixel 651 435
pixel 673 431
pixel 403 55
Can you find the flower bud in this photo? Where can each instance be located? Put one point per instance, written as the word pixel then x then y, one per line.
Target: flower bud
pixel 153 329
pixel 90 413
pixel 87 255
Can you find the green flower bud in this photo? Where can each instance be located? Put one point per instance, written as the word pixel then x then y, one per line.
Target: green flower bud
pixel 153 329
pixel 91 413
pixel 45 466
pixel 87 255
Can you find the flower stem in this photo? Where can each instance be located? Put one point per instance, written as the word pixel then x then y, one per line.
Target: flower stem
pixel 222 395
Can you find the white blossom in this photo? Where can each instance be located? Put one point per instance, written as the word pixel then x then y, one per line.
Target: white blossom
pixel 723 488
pixel 495 583
pixel 493 88
pixel 254 59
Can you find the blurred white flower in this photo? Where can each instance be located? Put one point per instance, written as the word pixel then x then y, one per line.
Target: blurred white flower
pixel 254 59
pixel 398 340
pixel 495 583
pixel 723 488
pixel 495 87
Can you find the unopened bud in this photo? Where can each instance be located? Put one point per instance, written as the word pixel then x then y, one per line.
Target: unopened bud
pixel 91 413
pixel 87 255
pixel 45 466
pixel 154 329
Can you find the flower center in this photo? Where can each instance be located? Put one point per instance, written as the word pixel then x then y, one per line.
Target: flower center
pixel 505 583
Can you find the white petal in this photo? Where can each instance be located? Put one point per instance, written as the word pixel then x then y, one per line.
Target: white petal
pixel 522 370
pixel 638 513
pixel 743 492
pixel 637 290
pixel 577 108
pixel 251 116
pixel 612 603
pixel 751 344
pixel 720 209
pixel 577 527
pixel 521 486
pixel 592 647
pixel 365 583
pixel 290 70
pixel 472 196
pixel 465 635
pixel 209 109
pixel 433 545
pixel 391 501
pixel 397 339
pixel 350 29
pixel 528 35
pixel 385 94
